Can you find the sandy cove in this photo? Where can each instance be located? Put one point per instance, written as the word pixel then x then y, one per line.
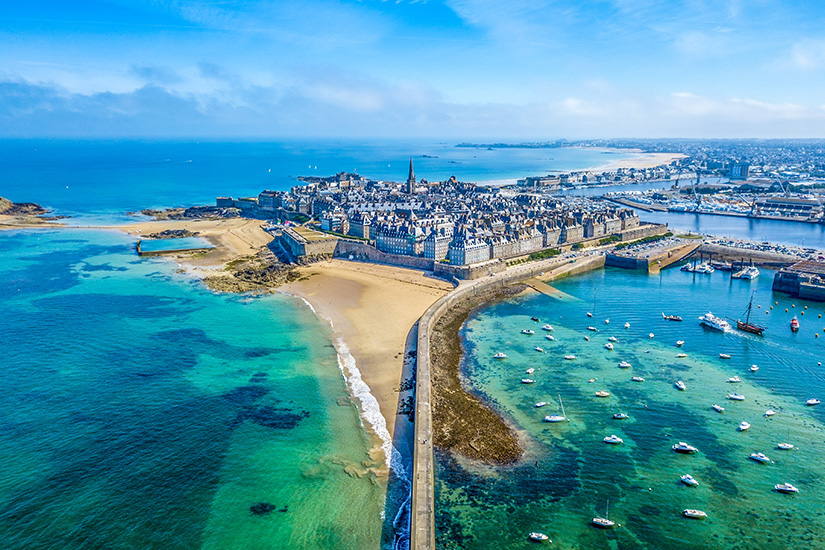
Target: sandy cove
pixel 372 308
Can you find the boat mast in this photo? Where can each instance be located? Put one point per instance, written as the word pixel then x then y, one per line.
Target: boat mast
pixel 562 408
pixel 607 511
pixel 748 316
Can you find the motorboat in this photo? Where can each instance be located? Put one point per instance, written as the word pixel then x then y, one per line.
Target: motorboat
pixel 570 357
pixel 687 268
pixel 539 349
pixel 531 370
pixel 680 343
pixel 794 324
pixel 613 339
pixel 812 402
pixel 718 408
pixel 549 337
pixel 744 426
pixel 734 380
pixel 627 325
pixel 613 440
pixel 624 365
pixel 784 446
pixel 556 417
pixel 753 368
pixel 539 537
pixel 714 322
pixel 684 448
pixel 680 385
pixel 548 328
pixel 608 346
pixel 593 329
pixel 620 416
pixel 528 331
pixel 589 314
pixel 540 404
pixel 785 488
pixel 671 317
pixel 724 356
pixel 587 338
pixel 607 321
pixel 770 412
pixel 704 267
pixel 681 355
pixel 759 457
pixel 650 336
pixel 688 479
pixel 500 355
pixel 694 514
pixel 536 319
pixel 750 272
pixel 527 380
pixel 638 379
pixel 602 393
pixel 736 397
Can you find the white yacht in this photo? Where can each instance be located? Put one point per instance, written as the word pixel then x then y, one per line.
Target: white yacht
pixel 627 325
pixel 812 402
pixel 620 416
pixel 753 368
pixel 608 346
pixel 587 338
pixel 539 537
pixel 694 514
pixel 744 426
pixel 548 328
pixel 539 349
pixel 785 488
pixel 736 397
pixel 718 408
pixel 681 355
pixel 724 356
pixel 604 522
pixel 759 457
pixel 785 446
pixel 613 339
pixel 734 380
pixel 687 479
pixel 680 343
pixel 770 412
pixel 570 357
pixel 528 331
pixel 624 365
pixel 540 404
pixel 593 329
pixel 638 379
pixel 589 314
pixel 680 385
pixel 684 448
pixel 704 267
pixel 527 380
pixel 607 321
pixel 750 272
pixel 712 321
pixel 650 336
pixel 556 417
pixel 500 355
pixel 602 393
pixel 531 370
pixel 549 337
pixel 613 440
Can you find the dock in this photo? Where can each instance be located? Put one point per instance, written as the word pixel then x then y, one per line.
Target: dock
pixel 653 259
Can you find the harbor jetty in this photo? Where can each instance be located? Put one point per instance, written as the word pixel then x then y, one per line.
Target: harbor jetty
pixel 422 529
pixel 652 257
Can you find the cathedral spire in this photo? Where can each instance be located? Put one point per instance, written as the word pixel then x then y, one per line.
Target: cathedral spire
pixel 411 179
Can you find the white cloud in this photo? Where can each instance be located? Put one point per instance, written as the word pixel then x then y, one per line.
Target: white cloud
pixel 808 55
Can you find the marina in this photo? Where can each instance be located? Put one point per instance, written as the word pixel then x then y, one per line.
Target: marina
pixel 665 433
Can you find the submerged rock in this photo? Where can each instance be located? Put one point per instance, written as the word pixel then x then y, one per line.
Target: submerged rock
pixel 262 508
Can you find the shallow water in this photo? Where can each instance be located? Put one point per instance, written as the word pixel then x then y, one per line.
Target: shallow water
pixel 569 473
pixel 140 410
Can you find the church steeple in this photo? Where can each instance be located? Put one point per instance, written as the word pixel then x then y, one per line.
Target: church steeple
pixel 411 179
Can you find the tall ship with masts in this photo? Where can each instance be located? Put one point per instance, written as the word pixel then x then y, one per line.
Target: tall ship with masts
pixel 746 325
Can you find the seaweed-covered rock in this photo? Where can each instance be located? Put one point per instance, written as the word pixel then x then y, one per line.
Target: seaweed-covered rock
pixel 262 508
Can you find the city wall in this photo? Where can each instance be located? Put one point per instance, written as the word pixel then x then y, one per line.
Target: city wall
pixel 364 252
pixel 422 528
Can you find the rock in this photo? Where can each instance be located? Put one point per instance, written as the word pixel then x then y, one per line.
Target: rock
pixel 262 508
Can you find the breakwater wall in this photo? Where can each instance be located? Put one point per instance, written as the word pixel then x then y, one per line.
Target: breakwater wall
pixel 422 528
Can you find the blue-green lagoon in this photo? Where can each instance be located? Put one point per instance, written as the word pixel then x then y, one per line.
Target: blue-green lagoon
pixel 569 473
pixel 140 410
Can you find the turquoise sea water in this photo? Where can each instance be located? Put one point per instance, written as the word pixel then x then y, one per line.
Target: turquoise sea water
pixel 569 473
pixel 141 411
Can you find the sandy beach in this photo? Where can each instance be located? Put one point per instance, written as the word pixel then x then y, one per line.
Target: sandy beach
pixel 640 161
pixel 372 308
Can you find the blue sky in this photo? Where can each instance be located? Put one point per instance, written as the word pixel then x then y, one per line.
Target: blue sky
pixel 470 69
